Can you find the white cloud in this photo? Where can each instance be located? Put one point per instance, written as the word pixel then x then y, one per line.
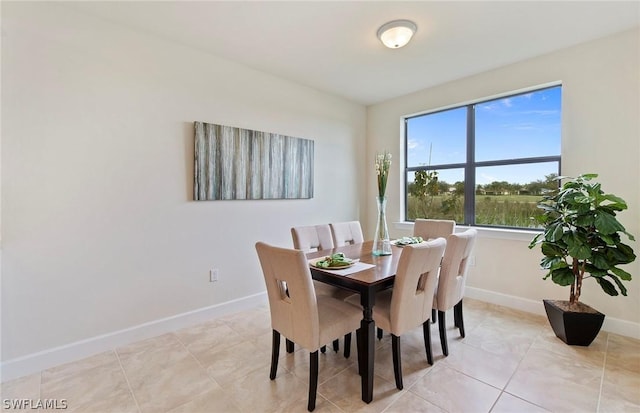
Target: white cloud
pixel 484 179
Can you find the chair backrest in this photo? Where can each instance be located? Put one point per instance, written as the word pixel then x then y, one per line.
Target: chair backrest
pixel 415 284
pixel 433 228
pixel 312 237
pixel 345 233
pixel 292 298
pixel 454 269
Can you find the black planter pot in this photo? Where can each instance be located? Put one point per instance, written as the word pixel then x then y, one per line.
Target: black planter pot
pixel 577 328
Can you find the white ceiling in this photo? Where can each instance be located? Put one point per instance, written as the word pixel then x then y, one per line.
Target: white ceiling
pixel 332 45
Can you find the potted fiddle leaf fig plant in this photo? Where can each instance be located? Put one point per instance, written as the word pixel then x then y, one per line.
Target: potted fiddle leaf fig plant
pixel 581 239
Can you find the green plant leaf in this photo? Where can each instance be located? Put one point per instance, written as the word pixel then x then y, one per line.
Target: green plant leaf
pixel 618 203
pixel 545 207
pixel 552 250
pixel 608 239
pixel 562 276
pixel 600 261
pixel 621 286
pixel 621 254
pixel 535 241
pixel 551 263
pixel 621 273
pixel 607 287
pixel 585 220
pixel 580 251
pixel 594 271
pixel 631 237
pixel 607 223
pixel 554 232
pixel 582 199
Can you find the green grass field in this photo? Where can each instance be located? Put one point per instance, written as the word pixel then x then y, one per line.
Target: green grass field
pixel 500 210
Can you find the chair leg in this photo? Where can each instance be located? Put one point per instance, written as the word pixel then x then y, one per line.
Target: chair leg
pixel 275 353
pixel 457 312
pixel 379 333
pixel 336 345
pixel 323 349
pixel 433 316
pixel 313 380
pixel 397 363
pixel 290 346
pixel 426 332
pixel 443 332
pixel 347 345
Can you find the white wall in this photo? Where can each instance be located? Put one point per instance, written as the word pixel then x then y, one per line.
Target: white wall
pixel 99 230
pixel 600 133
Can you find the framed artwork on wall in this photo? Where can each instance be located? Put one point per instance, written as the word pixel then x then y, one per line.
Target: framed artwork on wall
pixel 234 163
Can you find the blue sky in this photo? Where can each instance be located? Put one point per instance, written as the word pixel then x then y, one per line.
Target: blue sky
pixel 526 125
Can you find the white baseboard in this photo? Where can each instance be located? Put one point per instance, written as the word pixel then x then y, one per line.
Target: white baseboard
pixel 32 363
pixel 611 325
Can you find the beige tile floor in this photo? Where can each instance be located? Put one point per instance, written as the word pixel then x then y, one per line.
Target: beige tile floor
pixel 509 362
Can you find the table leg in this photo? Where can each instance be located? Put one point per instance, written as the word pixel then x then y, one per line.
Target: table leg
pixel 360 347
pixel 366 342
pixel 367 330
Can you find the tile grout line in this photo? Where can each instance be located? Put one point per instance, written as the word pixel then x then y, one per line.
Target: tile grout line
pixel 196 359
pixel 518 366
pixel 454 369
pixel 390 405
pixel 496 401
pixel 126 378
pixel 504 390
pixel 604 366
pixel 206 372
pixel 332 403
pixel 408 389
pixel 446 366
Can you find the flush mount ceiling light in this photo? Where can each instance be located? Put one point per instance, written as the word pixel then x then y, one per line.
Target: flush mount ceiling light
pixel 397 33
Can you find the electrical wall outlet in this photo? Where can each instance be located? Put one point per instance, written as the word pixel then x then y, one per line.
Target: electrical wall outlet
pixel 213 275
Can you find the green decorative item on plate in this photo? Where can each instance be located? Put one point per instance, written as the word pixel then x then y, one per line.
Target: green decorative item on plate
pixel 337 260
pixel 408 240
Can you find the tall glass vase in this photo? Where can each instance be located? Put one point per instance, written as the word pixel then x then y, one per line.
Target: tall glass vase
pixel 381 242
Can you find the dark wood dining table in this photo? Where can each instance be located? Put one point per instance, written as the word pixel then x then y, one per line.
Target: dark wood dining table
pixel 366 283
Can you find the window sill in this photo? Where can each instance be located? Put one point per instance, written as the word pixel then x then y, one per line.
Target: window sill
pixel 484 232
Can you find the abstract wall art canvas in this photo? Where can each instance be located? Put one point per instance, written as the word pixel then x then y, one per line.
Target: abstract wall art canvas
pixel 235 163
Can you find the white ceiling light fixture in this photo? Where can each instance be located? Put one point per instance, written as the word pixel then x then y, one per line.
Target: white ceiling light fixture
pixel 397 33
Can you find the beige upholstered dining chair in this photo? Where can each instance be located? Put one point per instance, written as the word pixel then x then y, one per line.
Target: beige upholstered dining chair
pixel 312 237
pixel 345 233
pixel 297 313
pixel 451 282
pixel 433 228
pixel 430 229
pixel 408 305
pixel 317 238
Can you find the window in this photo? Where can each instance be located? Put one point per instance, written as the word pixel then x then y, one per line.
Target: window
pixel 485 163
